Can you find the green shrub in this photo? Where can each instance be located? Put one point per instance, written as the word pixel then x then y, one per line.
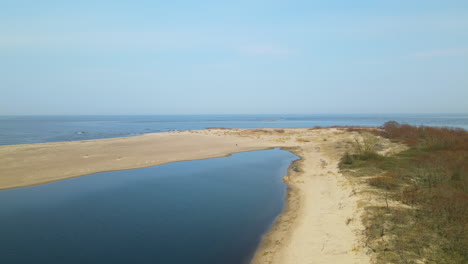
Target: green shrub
pixel 347 159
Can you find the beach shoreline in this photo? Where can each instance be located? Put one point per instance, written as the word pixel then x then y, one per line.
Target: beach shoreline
pixel 321 220
pixel 314 226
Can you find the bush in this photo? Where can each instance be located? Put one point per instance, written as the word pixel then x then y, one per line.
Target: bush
pixel 366 144
pixel 363 148
pixel 261 131
pixel 431 177
pixel 347 159
pixel 384 182
pixel 428 138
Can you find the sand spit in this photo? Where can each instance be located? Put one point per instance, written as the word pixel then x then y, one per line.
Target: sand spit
pixel 30 164
pixel 321 223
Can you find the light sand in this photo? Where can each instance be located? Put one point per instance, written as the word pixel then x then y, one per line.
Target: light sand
pixel 321 223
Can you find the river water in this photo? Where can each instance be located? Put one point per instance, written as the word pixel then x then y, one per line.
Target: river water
pixel 207 211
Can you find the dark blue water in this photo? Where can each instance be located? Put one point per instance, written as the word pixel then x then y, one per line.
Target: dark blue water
pixel 36 129
pixel 207 211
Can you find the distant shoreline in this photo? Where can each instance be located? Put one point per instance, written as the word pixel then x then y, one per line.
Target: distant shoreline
pixel 40 129
pixel 315 187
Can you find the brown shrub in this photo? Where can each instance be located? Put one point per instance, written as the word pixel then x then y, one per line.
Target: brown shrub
pixel 384 182
pixel 433 175
pixel 409 195
pixel 430 138
pixel 260 131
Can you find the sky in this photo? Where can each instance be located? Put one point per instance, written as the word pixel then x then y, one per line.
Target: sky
pixel 233 57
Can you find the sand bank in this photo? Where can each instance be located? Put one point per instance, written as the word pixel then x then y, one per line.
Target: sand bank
pixel 321 223
pixel 30 164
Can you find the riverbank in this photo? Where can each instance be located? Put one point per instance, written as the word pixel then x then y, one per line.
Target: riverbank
pixel 321 222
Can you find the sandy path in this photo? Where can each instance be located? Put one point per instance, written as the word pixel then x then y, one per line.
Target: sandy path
pixel 321 223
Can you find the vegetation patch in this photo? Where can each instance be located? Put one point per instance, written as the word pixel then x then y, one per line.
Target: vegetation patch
pixel 384 182
pixel 261 131
pixel 428 187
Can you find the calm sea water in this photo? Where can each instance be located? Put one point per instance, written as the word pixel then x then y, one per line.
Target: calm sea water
pixel 208 212
pixel 36 129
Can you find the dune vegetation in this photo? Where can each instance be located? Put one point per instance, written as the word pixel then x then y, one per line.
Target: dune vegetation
pixel 423 216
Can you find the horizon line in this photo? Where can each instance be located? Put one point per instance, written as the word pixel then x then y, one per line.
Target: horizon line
pixel 228 114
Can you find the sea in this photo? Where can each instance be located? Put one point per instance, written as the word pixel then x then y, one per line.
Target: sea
pixel 39 129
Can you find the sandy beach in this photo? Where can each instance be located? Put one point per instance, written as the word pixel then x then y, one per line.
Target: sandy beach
pixel 320 224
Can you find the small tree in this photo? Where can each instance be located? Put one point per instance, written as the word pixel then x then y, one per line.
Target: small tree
pixel 391 128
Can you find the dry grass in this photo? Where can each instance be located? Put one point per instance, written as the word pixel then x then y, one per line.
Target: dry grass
pixel 431 179
pixel 260 131
pixel 384 182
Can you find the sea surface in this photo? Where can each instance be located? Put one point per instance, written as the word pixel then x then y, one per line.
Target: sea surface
pixel 199 212
pixel 38 129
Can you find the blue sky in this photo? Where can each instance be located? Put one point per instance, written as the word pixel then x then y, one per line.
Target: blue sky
pixel 233 57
